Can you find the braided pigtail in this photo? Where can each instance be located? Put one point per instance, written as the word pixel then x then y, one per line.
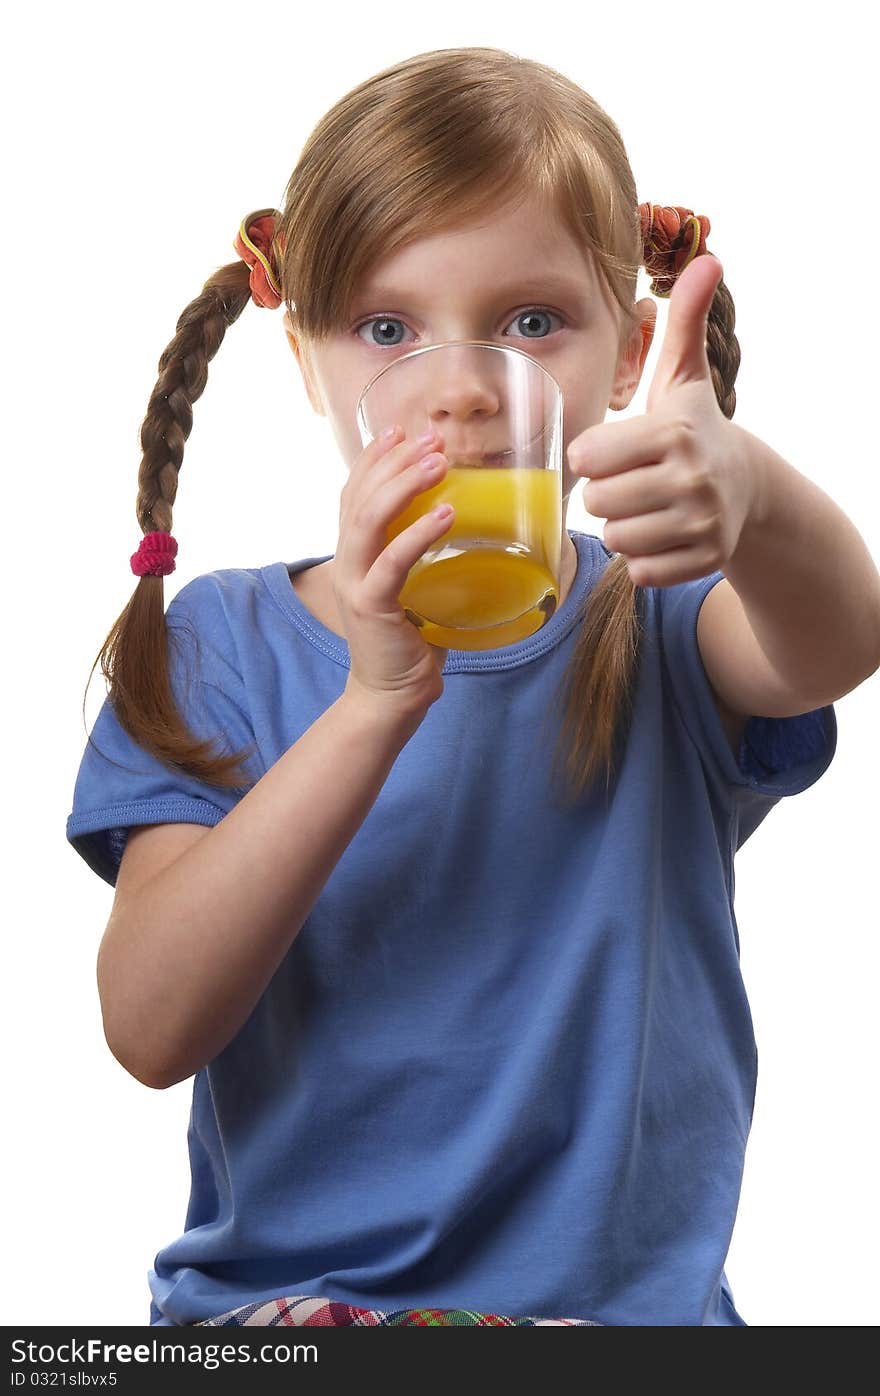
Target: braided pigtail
pixel 134 656
pixel 600 679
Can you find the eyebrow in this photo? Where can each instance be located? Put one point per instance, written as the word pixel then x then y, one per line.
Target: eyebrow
pixel 533 285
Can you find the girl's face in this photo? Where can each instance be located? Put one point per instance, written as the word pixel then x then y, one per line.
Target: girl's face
pixel 517 279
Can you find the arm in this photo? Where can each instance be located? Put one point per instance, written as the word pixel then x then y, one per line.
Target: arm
pixel 186 957
pixel 807 584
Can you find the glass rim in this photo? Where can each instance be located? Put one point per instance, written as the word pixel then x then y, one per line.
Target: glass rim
pixel 459 344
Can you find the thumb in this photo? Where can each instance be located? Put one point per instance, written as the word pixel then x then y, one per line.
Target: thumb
pixel 683 355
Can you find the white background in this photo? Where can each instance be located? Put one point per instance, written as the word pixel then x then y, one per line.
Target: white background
pixel 136 140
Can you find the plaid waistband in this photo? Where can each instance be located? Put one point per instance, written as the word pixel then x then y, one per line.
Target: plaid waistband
pixel 305 1310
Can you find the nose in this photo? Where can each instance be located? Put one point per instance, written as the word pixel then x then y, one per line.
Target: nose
pixel 462 395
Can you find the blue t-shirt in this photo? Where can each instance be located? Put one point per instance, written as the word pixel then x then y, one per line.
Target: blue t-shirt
pixel 508 1062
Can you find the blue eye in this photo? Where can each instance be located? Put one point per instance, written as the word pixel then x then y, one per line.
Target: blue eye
pixel 380 323
pixel 382 327
pixel 535 313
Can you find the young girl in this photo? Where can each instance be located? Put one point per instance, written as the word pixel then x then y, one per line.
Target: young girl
pixel 468 1045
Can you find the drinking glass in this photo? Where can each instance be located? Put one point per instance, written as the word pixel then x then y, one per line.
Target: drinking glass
pixel 493 577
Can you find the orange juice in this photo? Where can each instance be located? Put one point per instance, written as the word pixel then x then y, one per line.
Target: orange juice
pixel 493 577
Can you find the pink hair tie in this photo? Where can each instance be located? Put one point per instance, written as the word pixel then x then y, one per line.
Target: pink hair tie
pixel 155 556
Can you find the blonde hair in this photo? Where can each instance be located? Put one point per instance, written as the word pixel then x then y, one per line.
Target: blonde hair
pixel 428 142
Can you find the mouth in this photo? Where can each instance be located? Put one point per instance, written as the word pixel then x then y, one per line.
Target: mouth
pixel 482 458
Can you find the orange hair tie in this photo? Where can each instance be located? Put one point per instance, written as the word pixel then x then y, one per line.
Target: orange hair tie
pixel 253 243
pixel 671 238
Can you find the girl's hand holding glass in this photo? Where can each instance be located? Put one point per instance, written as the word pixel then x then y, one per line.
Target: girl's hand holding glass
pixel 389 658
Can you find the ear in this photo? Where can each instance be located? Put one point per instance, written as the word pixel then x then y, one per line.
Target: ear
pixel 633 355
pixel 305 367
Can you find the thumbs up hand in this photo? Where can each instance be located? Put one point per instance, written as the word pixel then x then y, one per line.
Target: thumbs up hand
pixel 676 484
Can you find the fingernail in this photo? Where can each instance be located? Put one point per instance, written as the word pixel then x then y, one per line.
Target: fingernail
pixel 425 438
pixel 388 433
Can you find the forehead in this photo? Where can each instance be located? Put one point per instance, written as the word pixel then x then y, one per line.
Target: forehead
pixel 523 248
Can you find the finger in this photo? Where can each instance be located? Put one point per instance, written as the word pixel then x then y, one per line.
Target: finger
pixel 374 468
pixel 654 533
pixel 668 569
pixel 613 447
pixel 380 446
pixel 370 519
pixel 384 581
pixel 401 458
pixel 638 491
pixel 683 357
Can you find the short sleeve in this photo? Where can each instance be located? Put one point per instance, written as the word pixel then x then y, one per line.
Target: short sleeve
pixel 778 756
pixel 119 784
